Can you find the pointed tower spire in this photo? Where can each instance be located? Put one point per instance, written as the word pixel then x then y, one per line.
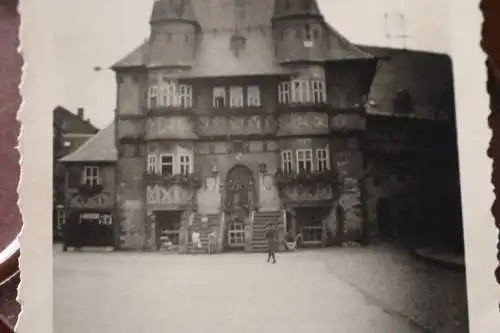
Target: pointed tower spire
pixel 300 31
pixel 169 10
pixel 297 8
pixel 174 33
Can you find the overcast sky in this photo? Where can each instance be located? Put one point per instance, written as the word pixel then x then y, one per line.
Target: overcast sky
pixel 93 33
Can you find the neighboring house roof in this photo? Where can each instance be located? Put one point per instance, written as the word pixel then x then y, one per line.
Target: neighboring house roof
pixel 219 21
pixel 426 76
pixel 69 122
pixel 99 148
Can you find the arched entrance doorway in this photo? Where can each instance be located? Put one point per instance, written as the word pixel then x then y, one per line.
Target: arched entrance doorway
pixel 239 201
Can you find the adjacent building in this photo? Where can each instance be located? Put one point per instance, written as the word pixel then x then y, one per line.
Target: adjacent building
pixel 233 115
pixel 70 131
pixel 90 189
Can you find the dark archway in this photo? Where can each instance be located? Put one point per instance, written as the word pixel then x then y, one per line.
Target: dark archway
pixel 239 200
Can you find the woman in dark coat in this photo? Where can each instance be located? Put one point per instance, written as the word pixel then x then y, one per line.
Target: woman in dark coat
pixel 271 243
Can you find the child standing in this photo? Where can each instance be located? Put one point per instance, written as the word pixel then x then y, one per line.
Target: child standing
pixel 195 238
pixel 212 239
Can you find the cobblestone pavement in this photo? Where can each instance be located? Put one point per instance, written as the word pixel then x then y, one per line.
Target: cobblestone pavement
pixel 372 290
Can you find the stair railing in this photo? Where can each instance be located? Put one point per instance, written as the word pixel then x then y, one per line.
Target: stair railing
pixel 221 232
pixel 249 231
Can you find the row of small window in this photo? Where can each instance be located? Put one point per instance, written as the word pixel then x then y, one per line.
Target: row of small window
pixel 165 164
pixel 302 92
pixel 171 94
pixel 304 161
pixel 170 164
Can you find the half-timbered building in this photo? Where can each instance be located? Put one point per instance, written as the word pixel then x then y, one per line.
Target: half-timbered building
pixel 235 114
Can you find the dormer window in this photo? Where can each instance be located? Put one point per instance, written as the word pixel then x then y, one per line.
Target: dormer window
pixel 317 32
pixel 308 30
pixel 300 91
pixel 91 176
pixel 403 102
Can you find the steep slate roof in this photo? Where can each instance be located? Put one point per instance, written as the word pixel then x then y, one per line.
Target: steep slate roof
pixel 99 148
pixel 219 19
pixel 69 122
pixel 427 76
pixel 172 9
pixel 135 58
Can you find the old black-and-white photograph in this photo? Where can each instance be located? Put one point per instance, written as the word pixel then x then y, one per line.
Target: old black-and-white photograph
pixel 256 166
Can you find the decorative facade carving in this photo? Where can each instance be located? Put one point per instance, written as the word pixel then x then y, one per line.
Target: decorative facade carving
pixel 130 128
pixel 305 194
pixel 100 200
pixel 241 125
pixel 173 127
pixel 158 195
pixel 347 122
pixel 303 123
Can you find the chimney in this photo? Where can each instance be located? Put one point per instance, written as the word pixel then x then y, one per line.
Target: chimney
pixel 81 113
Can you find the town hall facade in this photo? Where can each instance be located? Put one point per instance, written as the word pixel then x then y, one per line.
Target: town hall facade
pixel 230 116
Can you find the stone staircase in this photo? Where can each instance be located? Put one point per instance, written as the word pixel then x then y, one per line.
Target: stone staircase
pixel 204 229
pixel 260 221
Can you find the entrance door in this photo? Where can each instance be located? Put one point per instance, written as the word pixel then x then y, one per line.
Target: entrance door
pixel 310 224
pixel 238 203
pixel 168 226
pixel 89 229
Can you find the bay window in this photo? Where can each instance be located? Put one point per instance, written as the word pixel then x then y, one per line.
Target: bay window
pixel 304 160
pixel 166 164
pixel 300 91
pixel 169 93
pixel 152 164
pixel 185 164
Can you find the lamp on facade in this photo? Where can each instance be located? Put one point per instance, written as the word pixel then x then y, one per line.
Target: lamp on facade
pixel 262 168
pixel 215 170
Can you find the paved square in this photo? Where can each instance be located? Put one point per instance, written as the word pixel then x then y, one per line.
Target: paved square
pixel 334 290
